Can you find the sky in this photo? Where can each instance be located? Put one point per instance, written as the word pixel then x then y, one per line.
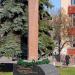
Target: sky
pixel 56 3
pixel 56 7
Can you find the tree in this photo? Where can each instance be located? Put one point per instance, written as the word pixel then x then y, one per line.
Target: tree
pixel 13 24
pixel 43 13
pixel 46 43
pixel 60 25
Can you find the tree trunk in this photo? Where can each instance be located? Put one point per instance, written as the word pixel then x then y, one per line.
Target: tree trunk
pixel 59 46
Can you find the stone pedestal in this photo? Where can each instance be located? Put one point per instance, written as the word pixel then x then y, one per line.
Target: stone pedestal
pixel 45 69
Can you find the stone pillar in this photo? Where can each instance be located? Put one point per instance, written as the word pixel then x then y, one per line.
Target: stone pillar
pixel 33 30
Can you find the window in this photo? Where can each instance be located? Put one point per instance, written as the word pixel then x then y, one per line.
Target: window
pixel 73 2
pixel 73 19
pixel 73 41
pixel 73 44
pixel 72 23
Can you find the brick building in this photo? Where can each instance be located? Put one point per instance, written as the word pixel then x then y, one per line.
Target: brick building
pixel 68 8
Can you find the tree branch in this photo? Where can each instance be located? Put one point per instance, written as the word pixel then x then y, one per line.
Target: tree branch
pixel 64 44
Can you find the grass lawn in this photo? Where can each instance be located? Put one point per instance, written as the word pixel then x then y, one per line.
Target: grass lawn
pixel 66 70
pixel 6 73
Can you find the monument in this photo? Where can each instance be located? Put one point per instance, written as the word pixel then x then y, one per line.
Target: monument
pixel 44 69
pixel 33 29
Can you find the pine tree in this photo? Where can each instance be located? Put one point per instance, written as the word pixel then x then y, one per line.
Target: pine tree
pixel 13 24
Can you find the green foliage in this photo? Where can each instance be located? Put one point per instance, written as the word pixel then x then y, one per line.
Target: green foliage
pixel 44 61
pixel 13 18
pixel 6 73
pixel 10 46
pixel 29 64
pixel 25 64
pixel 44 26
pixel 46 43
pixel 43 13
pixel 66 71
pixel 46 3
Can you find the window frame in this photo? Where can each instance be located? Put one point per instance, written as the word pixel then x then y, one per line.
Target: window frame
pixel 72 2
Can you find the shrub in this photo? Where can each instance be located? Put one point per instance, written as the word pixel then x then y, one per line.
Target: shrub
pixel 29 64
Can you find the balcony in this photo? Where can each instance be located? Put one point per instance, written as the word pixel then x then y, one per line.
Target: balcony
pixel 71 31
pixel 71 9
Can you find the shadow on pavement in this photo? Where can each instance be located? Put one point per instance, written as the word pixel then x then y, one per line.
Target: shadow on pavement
pixel 6 67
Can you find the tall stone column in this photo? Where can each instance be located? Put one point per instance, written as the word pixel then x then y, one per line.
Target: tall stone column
pixel 33 30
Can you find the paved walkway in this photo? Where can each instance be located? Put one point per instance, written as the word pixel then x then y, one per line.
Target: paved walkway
pixel 60 64
pixel 6 60
pixel 55 63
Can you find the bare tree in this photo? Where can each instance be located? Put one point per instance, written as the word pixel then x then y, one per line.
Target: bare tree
pixel 60 24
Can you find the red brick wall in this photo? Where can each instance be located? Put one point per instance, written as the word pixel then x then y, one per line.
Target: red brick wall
pixel 71 31
pixel 33 30
pixel 71 51
pixel 71 10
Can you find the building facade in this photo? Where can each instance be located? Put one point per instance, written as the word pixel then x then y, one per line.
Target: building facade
pixel 68 8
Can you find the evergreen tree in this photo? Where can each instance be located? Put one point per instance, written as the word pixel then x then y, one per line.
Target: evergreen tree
pixel 46 43
pixel 13 23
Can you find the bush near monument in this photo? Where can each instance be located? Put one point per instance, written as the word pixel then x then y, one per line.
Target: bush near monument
pixel 33 62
